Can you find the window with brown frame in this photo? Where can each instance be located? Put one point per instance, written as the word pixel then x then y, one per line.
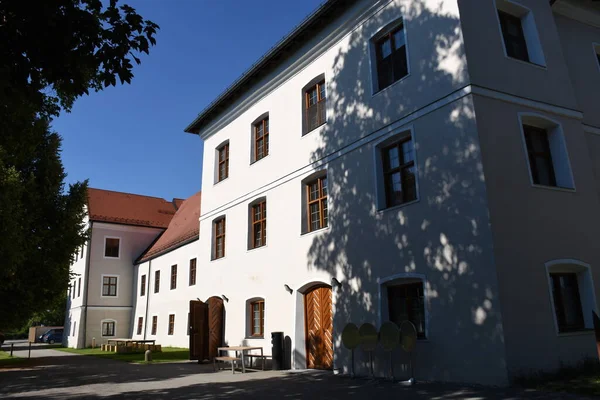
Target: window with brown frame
pixel 223 164
pixel 192 271
pixel 399 173
pixel 79 288
pixel 111 247
pixel 173 276
pixel 259 224
pixel 219 242
pixel 540 156
pixel 143 286
pixel 261 139
pixel 315 100
pixel 154 324
pixel 108 328
pixel 316 195
pixel 156 281
pixel 567 302
pixel 390 51
pixel 406 302
pixel 171 323
pixel 514 38
pixel 109 286
pixel 140 325
pixel 257 320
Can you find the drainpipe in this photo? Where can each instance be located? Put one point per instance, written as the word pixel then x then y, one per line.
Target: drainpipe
pixel 147 298
pixel 87 285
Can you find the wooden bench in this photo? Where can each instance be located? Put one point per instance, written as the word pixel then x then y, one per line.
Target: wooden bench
pixel 263 357
pixel 232 360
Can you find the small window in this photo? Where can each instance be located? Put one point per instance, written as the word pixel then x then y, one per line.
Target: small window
pixel 143 286
pixel 76 256
pixel 406 303
pixel 74 288
pixel 261 139
pixel 257 321
pixel 390 54
pixel 81 255
pixel 192 271
pixel 567 302
pixel 316 204
pixel 540 157
pixel 111 247
pixel 74 327
pixel 140 325
pixel 108 328
pixel 223 162
pixel 154 324
pixel 519 33
pixel 156 281
pixel 171 323
pixel 315 104
pixel 258 213
pixel 219 238
pixel 399 172
pixel 173 276
pixel 514 38
pixel 79 287
pixel 109 286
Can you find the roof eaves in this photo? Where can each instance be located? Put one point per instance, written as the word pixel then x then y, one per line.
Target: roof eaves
pixel 172 246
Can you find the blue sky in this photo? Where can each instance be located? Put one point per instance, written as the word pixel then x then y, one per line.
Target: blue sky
pixel 130 138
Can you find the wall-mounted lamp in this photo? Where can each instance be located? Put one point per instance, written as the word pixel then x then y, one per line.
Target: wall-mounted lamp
pixel 289 289
pixel 336 283
pixel 225 298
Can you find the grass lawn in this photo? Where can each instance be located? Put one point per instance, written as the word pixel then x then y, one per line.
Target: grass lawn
pixel 6 359
pixel 583 379
pixel 168 354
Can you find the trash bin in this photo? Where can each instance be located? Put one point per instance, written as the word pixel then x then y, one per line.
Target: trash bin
pixel 277 350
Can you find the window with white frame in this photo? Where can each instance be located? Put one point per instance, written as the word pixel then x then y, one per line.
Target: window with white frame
pixel 112 247
pixel 519 33
pixel 108 327
pixel 406 302
pixel 256 317
pixel 389 55
pixel 546 152
pixel 572 295
pixel 109 286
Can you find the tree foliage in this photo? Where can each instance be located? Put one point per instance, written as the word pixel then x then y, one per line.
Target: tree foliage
pixel 51 53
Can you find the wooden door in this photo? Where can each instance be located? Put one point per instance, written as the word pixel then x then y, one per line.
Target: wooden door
pixel 318 320
pixel 215 325
pixel 198 330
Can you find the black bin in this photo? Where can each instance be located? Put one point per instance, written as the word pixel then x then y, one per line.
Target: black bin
pixel 277 350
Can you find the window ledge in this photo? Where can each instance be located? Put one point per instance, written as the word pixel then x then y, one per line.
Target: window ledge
pixel 393 84
pixel 540 66
pixel 586 331
pixel 383 210
pixel 218 259
pixel 255 161
pixel 555 188
pixel 328 227
pixel 304 134
pixel 222 180
pixel 256 248
pixel 254 337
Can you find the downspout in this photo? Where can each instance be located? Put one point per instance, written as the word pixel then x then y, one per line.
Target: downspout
pixel 147 298
pixel 87 284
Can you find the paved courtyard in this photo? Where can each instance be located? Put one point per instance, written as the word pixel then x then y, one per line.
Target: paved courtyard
pixel 58 375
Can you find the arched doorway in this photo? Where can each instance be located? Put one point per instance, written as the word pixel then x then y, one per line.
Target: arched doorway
pixel 318 323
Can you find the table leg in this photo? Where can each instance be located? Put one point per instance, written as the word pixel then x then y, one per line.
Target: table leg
pixel 262 357
pixel 243 363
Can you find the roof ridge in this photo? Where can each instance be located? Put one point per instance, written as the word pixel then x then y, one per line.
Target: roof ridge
pixel 132 194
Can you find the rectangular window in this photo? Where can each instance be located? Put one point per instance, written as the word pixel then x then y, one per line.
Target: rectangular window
pixel 156 281
pixel 140 325
pixel 219 232
pixel 514 38
pixel 173 276
pixel 567 302
pixel 143 286
pixel 74 327
pixel 74 287
pixel 79 287
pixel 407 303
pixel 316 195
pixel 540 157
pixel 81 255
pixel 315 106
pixel 171 323
pixel 154 324
pixel 259 224
pixel 108 328
pixel 261 139
pixel 111 247
pixel 223 165
pixel 109 286
pixel 192 271
pixel 391 61
pixel 257 309
pixel 399 173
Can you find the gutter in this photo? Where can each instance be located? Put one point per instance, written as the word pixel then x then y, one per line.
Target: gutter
pixel 87 284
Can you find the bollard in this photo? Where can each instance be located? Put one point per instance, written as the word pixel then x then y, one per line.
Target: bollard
pixel 148 356
pixel 11 348
pixel 29 356
pixel 93 343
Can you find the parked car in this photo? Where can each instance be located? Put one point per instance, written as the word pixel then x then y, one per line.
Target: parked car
pixel 52 336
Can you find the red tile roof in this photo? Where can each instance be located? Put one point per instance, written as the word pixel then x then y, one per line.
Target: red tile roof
pixel 184 228
pixel 129 209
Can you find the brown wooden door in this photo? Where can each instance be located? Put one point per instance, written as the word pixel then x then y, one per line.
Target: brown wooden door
pixel 198 330
pixel 215 325
pixel 318 320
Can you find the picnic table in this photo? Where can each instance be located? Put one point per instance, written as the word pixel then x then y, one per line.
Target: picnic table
pixel 241 350
pixel 126 341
